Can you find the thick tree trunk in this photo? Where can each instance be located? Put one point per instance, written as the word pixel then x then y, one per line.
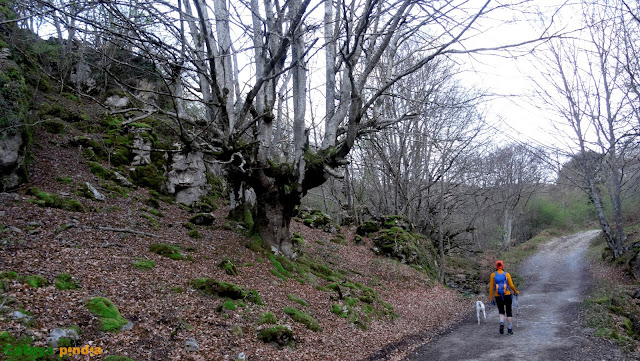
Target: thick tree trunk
pixel 274 213
pixel 612 242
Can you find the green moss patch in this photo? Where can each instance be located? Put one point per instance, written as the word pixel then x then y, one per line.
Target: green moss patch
pixel 402 245
pixel 298 300
pixel 339 310
pixel 229 267
pixel 62 112
pixel 143 264
pixel 35 354
pixel 97 169
pixel 297 239
pixel 367 228
pixel 148 176
pixel 282 335
pixel 229 305
pixel 212 287
pixel 45 199
pixel 360 304
pixel 35 281
pixel 168 250
pixel 303 318
pixel 275 261
pixel 255 244
pixel 110 318
pixel 202 219
pixel 317 219
pixel 339 239
pixel 54 126
pixel 195 234
pixel 403 222
pixel 304 265
pixel 267 318
pixel 9 275
pixel 612 312
pixel 64 281
pixel 64 180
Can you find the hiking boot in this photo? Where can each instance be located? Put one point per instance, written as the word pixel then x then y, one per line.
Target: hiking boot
pixel 501 329
pixel 510 331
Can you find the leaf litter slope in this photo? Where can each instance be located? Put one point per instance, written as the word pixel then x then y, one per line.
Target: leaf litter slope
pixel 159 301
pixel 548 326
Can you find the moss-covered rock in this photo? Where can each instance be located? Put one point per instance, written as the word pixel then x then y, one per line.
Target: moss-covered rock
pixel 255 244
pixel 243 216
pixel 54 125
pixel 402 245
pixel 278 267
pixel 110 318
pixel 164 249
pixel 202 206
pixel 60 111
pixel 282 335
pixel 339 310
pixel 203 219
pixel 212 287
pixel 148 176
pixel 317 219
pixel 403 222
pixel 168 250
pixel 339 239
pixel 97 169
pixel 367 228
pixel 15 134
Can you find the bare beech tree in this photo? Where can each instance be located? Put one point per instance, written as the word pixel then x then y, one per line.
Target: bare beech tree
pixel 516 172
pixel 630 54
pixel 254 80
pixel 415 167
pixel 586 86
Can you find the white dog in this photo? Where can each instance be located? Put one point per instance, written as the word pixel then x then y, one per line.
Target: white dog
pixel 480 307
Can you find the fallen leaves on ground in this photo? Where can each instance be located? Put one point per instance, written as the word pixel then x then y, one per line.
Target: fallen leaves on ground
pixel 165 310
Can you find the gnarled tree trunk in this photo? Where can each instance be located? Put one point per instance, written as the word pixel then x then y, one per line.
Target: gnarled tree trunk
pixel 274 213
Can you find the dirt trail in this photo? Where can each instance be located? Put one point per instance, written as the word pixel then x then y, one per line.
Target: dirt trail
pixel 547 327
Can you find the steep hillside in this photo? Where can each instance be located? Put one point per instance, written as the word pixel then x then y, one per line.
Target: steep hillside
pixel 55 225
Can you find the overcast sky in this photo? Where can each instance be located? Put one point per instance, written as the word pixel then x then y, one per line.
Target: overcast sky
pixel 514 110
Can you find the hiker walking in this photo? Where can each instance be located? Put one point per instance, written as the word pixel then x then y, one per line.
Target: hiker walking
pixel 502 287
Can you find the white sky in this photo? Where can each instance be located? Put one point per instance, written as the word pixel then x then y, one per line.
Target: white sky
pixel 513 109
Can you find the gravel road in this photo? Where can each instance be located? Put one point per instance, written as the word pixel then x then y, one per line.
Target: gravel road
pixel 548 325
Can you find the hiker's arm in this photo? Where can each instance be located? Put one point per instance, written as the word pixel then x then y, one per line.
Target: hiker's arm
pixel 492 284
pixel 511 286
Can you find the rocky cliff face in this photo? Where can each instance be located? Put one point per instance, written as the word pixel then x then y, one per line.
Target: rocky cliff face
pixel 187 177
pixel 11 159
pixel 14 104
